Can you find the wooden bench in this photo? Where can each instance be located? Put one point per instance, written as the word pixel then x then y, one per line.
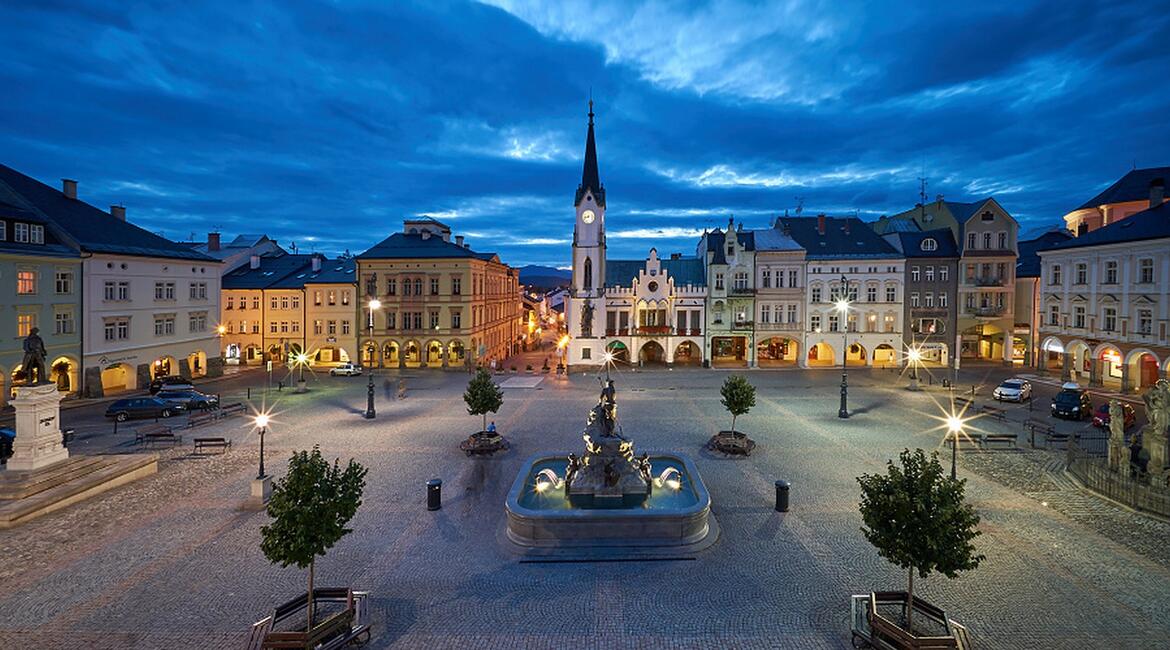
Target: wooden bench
pixel 152 433
pixel 990 438
pixel 335 631
pixel 1053 436
pixel 963 402
pixel 201 418
pixel 203 443
pixel 967 438
pixel 993 412
pixel 234 408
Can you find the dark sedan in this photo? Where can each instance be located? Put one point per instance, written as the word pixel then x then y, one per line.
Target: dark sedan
pixel 143 407
pixel 1072 404
pixel 170 382
pixel 191 399
pixel 1101 417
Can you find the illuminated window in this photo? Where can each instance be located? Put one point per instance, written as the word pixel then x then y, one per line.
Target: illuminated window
pixel 26 282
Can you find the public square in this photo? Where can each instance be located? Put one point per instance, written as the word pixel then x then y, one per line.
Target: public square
pixel 173 560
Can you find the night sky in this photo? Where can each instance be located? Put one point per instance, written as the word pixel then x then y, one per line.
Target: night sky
pixel 325 124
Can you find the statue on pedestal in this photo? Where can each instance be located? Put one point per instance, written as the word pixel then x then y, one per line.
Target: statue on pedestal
pixel 1157 400
pixel 587 319
pixel 33 365
pixel 1118 452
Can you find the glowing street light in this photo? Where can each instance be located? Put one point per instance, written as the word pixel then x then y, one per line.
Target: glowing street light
pixel 914 356
pixel 261 422
pixel 375 305
pixel 954 430
pixel 842 306
pixel 608 358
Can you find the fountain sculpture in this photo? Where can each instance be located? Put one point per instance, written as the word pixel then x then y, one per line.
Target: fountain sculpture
pixel 608 495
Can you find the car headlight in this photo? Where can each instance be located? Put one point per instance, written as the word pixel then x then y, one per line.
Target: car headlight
pixel 1076 408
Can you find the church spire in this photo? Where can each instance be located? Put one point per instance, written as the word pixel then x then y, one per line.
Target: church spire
pixel 590 179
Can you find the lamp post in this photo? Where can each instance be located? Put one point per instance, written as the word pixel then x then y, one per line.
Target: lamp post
pixel 608 360
pixel 954 429
pixel 301 360
pixel 261 423
pixel 913 356
pixel 843 309
pixel 375 304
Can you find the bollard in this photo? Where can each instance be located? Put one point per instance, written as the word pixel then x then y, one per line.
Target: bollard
pixel 434 494
pixel 249 393
pixel 782 496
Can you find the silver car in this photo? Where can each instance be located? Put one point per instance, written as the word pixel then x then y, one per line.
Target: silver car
pixel 1013 390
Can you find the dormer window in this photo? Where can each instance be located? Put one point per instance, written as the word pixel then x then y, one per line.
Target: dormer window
pixel 929 244
pixel 987 216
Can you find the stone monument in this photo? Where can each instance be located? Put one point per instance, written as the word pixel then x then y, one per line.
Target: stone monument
pixel 38 413
pixel 608 475
pixel 1157 401
pixel 1118 451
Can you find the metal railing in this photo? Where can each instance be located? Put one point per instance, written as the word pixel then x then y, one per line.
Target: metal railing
pixel 1130 486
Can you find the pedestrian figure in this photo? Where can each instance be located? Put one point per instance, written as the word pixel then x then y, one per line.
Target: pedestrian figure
pixel 401 389
pixel 492 427
pixel 386 387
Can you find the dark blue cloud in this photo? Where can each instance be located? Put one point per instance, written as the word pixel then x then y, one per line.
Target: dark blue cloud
pixel 327 123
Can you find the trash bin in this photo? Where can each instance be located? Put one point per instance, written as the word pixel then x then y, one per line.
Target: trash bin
pixel 781 496
pixel 434 494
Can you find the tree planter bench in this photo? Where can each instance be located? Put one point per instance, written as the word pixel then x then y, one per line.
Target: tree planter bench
pixel 872 626
pixel 483 443
pixel 731 442
pixel 346 625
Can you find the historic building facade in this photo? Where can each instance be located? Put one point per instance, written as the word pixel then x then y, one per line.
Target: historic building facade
pixel 654 310
pixel 729 257
pixel 779 298
pixel 1105 302
pixel 930 308
pixel 1137 190
pixel 441 303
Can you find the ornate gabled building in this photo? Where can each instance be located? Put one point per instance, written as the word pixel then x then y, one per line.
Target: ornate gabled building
pixel 729 258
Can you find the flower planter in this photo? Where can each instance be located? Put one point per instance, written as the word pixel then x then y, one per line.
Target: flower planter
pixel 483 442
pixel 732 442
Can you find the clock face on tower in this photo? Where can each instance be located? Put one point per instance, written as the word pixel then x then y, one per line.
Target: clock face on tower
pixel 588 216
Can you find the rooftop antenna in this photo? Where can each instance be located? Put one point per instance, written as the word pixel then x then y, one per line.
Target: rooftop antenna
pixel 922 196
pixel 799 205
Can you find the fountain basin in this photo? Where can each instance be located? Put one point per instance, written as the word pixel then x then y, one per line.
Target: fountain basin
pixel 675 514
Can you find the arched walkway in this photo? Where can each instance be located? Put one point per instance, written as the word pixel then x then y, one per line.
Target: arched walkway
pixel 621 354
pixel 855 355
pixel 163 367
pixel 777 351
pixel 275 353
pixel 688 354
pixel 412 354
pixel 390 354
pixel 1110 360
pixel 1080 360
pixel 63 372
pixel 117 377
pixel 456 354
pixel 652 353
pixel 821 355
pixel 1143 369
pixel 885 356
pixel 197 362
pixel 434 353
pixel 330 354
pixel 253 354
pixel 1052 354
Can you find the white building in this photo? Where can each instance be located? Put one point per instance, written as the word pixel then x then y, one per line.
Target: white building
pixel 654 310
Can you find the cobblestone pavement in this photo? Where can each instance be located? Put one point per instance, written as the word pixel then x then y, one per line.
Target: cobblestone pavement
pixel 173 561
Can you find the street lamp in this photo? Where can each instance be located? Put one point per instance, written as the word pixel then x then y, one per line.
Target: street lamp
pixel 914 355
pixel 301 360
pixel 954 429
pixel 261 423
pixel 608 360
pixel 842 306
pixel 375 304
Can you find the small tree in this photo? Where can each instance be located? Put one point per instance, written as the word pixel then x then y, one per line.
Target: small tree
pixel 310 507
pixel 483 396
pixel 738 397
pixel 916 518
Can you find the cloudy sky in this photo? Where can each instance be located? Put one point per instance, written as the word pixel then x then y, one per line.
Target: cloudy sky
pixel 325 124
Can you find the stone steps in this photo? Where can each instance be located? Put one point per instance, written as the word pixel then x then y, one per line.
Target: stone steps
pixel 68 482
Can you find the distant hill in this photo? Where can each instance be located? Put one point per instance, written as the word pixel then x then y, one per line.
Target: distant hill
pixel 544 277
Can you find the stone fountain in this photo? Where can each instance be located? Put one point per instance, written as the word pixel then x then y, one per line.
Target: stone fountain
pixel 608 496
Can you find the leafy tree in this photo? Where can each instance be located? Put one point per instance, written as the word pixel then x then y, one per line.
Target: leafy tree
pixel 483 396
pixel 310 507
pixel 738 397
pixel 916 518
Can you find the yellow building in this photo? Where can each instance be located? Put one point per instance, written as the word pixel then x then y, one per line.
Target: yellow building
pixel 331 314
pixel 441 303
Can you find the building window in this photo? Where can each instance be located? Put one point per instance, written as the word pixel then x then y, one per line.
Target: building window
pixel 284 327
pixel 345 296
pixel 197 322
pixel 274 302
pixel 284 302
pixel 418 286
pixel 586 353
pixel 332 297
pixel 891 293
pixel 1054 276
pixel 914 299
pixel 890 323
pixel 229 303
pixel 434 320
pixel 719 281
pixel 198 291
pixel 456 286
pixel 816 294
pixel 391 287
pixel 1079 317
pixel 942 299
pixel 3 230
pixel 391 320
pixel 296 326
pixel 273 327
pixel 318 327
pixel 25 323
pixel 792 278
pixel 164 325
pixel 943 273
pixel 63 323
pixel 915 276
pixel 871 294
pixel 434 286
pixel 26 282
pixel 766 279
pixel 814 322
pixel 765 313
pixel 1082 274
pixel 929 274
pixel 332 327
pixel 1054 315
pixel 345 327
pixel 64 282
pixel 928 300
pixel 986 240
pixel 741 280
pixel 20 232
pixel 1111 272
pixel 1146 271
pixel 317 298
pixel 117 329
pixel 1110 319
pixel 296 302
pixel 929 244
pixel 791 313
pixel 1145 322
pixel 970 241
pixel 456 320
pixel 255 303
pixel 834 322
pixel 1003 241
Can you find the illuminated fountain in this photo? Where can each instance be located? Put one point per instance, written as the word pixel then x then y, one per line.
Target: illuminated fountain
pixel 609 495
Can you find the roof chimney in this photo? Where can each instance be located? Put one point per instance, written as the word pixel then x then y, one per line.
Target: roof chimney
pixel 459 240
pixel 1157 192
pixel 212 241
pixel 316 263
pixel 119 211
pixel 255 263
pixel 821 224
pixel 69 187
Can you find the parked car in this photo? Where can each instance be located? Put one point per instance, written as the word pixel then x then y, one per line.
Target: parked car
pixel 1101 417
pixel 1013 390
pixel 347 369
pixel 7 437
pixel 170 382
pixel 1072 402
pixel 143 407
pixel 191 399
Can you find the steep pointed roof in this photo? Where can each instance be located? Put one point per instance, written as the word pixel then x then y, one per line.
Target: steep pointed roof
pixel 590 179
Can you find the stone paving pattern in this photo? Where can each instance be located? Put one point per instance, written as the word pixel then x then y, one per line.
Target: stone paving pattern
pixel 173 561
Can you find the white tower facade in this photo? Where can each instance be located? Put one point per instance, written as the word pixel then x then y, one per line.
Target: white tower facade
pixel 585 307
